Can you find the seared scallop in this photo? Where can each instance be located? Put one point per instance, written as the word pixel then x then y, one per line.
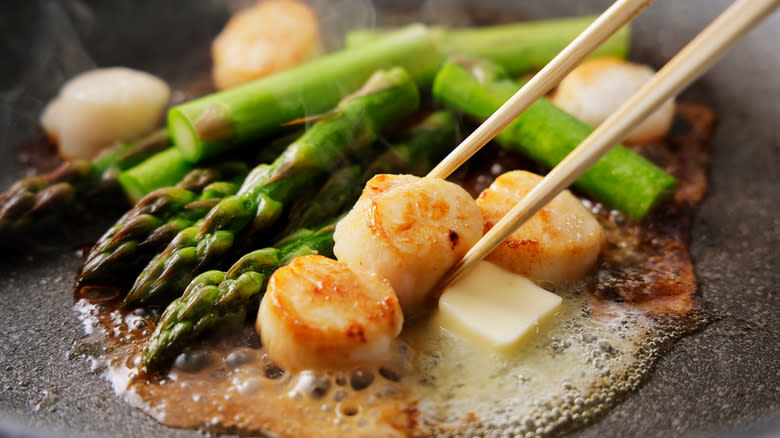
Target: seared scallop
pixel 597 88
pixel 268 37
pixel 319 314
pixel 560 242
pixel 410 230
pixel 99 107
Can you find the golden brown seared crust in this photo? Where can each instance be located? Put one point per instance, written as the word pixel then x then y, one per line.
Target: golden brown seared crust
pixel 410 230
pixel 319 314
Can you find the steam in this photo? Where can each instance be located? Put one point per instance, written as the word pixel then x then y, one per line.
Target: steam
pixel 42 51
pixel 445 13
pixel 45 46
pixel 56 51
pixel 337 17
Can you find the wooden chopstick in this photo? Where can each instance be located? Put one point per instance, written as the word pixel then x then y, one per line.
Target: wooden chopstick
pixel 687 65
pixel 609 22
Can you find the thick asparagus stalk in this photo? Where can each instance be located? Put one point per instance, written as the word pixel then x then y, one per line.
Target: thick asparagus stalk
pixel 545 133
pixel 203 126
pixel 219 299
pixel 383 100
pixel 518 47
pixel 145 230
pixel 163 169
pixel 414 152
pixel 33 204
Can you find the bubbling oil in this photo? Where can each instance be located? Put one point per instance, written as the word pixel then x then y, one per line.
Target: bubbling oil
pixel 584 360
pixel 577 366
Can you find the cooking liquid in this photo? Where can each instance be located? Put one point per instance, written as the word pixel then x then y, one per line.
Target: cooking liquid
pixel 590 354
pixel 599 347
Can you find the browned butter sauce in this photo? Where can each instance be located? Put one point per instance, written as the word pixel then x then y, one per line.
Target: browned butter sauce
pixel 599 347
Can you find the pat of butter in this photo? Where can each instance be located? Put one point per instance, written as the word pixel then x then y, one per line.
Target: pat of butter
pixel 495 308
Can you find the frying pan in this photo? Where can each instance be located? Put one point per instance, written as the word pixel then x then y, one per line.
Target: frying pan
pixel 723 380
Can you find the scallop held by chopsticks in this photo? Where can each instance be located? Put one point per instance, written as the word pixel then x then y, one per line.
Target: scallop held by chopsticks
pixel 410 230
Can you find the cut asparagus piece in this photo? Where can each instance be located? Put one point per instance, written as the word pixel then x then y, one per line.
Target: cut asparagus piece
pixel 125 155
pixel 219 299
pixel 383 100
pixel 34 204
pixel 163 169
pixel 145 230
pixel 518 47
pixel 621 179
pixel 203 127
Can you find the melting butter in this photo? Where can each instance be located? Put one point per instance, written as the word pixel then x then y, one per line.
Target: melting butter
pixel 495 308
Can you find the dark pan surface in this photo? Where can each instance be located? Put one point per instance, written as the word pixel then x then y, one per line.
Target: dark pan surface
pixel 724 380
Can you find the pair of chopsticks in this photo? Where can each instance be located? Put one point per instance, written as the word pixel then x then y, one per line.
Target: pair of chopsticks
pixel 693 60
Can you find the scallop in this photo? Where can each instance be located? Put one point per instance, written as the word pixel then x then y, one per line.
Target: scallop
pixel 318 314
pixel 266 38
pixel 410 230
pixel 597 88
pixel 561 242
pixel 99 107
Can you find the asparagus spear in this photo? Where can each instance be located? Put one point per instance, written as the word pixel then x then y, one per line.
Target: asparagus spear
pixel 518 47
pixel 415 152
pixel 219 299
pixel 383 100
pixel 208 125
pixel 545 133
pixel 143 231
pixel 34 203
pixel 203 126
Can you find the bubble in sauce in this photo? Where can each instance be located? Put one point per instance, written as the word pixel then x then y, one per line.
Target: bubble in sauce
pixel 192 360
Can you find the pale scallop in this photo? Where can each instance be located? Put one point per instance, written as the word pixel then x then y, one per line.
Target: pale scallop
pixel 99 107
pixel 317 314
pixel 560 242
pixel 268 37
pixel 411 231
pixel 597 88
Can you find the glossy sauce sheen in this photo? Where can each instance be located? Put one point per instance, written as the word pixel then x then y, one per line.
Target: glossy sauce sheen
pixel 600 346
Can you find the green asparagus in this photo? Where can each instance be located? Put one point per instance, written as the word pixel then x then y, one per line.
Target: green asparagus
pixel 415 152
pixel 34 204
pixel 140 234
pixel 145 230
pixel 163 169
pixel 208 125
pixel 219 299
pixel 383 100
pixel 204 126
pixel 518 47
pixel 621 179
